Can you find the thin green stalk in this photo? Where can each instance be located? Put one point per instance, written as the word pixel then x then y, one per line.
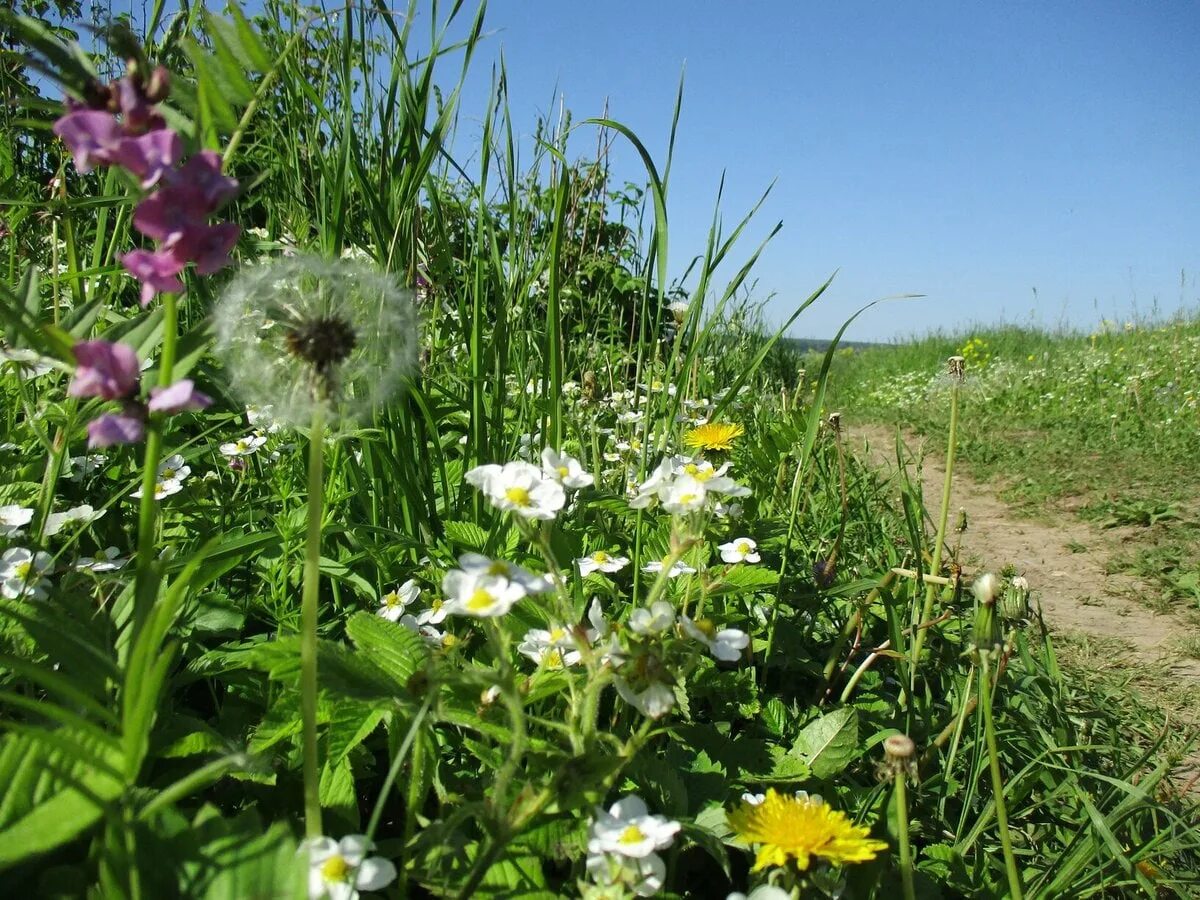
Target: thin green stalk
pixel 943 515
pixel 989 728
pixel 308 624
pixel 906 865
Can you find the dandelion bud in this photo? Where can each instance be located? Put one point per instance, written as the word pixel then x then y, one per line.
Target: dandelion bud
pixel 899 757
pixel 987 636
pixel 956 366
pixel 1014 602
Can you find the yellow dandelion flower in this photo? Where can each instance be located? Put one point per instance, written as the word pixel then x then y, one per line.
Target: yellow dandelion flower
pixel 714 436
pixel 800 828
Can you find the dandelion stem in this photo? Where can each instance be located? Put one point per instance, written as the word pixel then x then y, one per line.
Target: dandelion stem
pixel 943 515
pixel 989 728
pixel 906 866
pixel 308 623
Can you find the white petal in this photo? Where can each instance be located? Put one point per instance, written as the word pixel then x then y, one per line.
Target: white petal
pixel 374 873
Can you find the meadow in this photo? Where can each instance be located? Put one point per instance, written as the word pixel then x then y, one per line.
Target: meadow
pixel 384 520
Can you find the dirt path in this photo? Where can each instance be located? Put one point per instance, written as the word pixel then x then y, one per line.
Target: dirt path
pixel 1067 565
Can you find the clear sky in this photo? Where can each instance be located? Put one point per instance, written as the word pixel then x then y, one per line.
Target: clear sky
pixel 1010 160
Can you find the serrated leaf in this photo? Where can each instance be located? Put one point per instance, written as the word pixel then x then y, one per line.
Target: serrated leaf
pixel 829 743
pixel 393 648
pixel 466 534
pixel 745 580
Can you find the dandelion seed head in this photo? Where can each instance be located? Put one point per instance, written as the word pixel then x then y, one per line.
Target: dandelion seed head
pixel 302 334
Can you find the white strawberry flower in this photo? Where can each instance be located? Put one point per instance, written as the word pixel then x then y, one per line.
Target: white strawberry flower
pixel 677 568
pixel 683 495
pixel 13 519
pixel 519 488
pixel 480 596
pixel 338 870
pixel 21 573
pixel 76 515
pixel 553 647
pixel 478 564
pixel 740 550
pixel 243 446
pixel 726 645
pixel 627 828
pixel 566 470
pixel 394 602
pixel 653 621
pixel 601 561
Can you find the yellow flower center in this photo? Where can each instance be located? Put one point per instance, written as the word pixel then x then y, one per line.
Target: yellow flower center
pixel 706 627
pixel 335 868
pixel 436 604
pixel 498 568
pixel 563 471
pixel 480 600
pixel 742 547
pixel 391 600
pixel 557 634
pixel 23 569
pixel 632 835
pixel 517 495
pixel 687 499
pixel 449 640
pixel 167 474
pixel 600 556
pixel 553 659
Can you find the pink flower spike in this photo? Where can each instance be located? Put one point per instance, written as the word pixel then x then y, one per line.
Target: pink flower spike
pixel 170 211
pixel 149 156
pixel 158 272
pixel 106 370
pixel 208 246
pixel 112 429
pixel 91 135
pixel 202 172
pixel 180 396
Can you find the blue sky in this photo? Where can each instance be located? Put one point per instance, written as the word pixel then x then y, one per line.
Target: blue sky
pixel 969 152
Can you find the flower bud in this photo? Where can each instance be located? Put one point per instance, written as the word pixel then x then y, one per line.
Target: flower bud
pixel 899 757
pixel 985 588
pixel 1014 602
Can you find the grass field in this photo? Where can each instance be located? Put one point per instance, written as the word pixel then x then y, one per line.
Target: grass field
pixel 381 523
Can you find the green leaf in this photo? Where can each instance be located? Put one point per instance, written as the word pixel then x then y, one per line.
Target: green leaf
pixel 829 743
pixel 395 649
pixel 745 580
pixel 466 534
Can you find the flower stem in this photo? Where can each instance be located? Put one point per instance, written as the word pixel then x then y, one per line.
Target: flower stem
pixel 906 866
pixel 943 514
pixel 989 728
pixel 308 624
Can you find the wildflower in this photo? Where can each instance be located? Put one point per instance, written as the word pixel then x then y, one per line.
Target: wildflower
pixel 306 334
pixel 394 602
pixel 653 621
pixel 76 515
pixel 109 561
pixel 520 488
pixel 435 615
pixel 714 436
pixel 478 564
pixel 91 135
pixel 740 550
pixel 762 892
pixel 644 876
pixel 726 645
pixel 13 518
pixel 469 594
pixel 654 700
pixel 794 828
pixel 601 561
pixel 565 469
pixel 178 397
pixel 338 870
pixel 683 495
pixel 28 363
pixel 553 647
pixel 243 446
pixel 112 428
pixel 21 573
pixel 628 829
pixel 106 370
pixel 676 568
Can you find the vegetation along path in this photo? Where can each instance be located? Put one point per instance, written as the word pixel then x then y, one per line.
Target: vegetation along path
pixel 1068 565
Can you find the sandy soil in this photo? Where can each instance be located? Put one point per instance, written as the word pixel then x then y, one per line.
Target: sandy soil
pixel 1065 560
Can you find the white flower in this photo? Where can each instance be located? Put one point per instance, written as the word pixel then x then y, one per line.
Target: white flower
pixel 243 446
pixel 520 488
pixel 644 876
pixel 338 870
pixel 79 467
pixel 740 550
pixel 986 587
pixel 435 615
pixel 762 892
pixel 109 561
pixel 714 480
pixel 13 518
pixel 470 594
pixel 654 701
pixel 162 489
pixel 601 561
pixel 648 490
pixel 554 647
pixel 677 568
pixel 683 495
pixel 262 418
pixel 655 620
pixel 726 645
pixel 173 468
pixel 76 515
pixel 631 417
pixel 394 602
pixel 477 564
pixel 565 469
pixel 628 829
pixel 21 573
pixel 727 510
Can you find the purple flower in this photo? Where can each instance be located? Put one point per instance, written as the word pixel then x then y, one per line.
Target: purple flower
pixel 150 155
pixel 170 211
pixel 105 370
pixel 157 271
pixel 112 428
pixel 180 396
pixel 136 112
pixel 91 135
pixel 237 464
pixel 208 246
pixel 202 173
